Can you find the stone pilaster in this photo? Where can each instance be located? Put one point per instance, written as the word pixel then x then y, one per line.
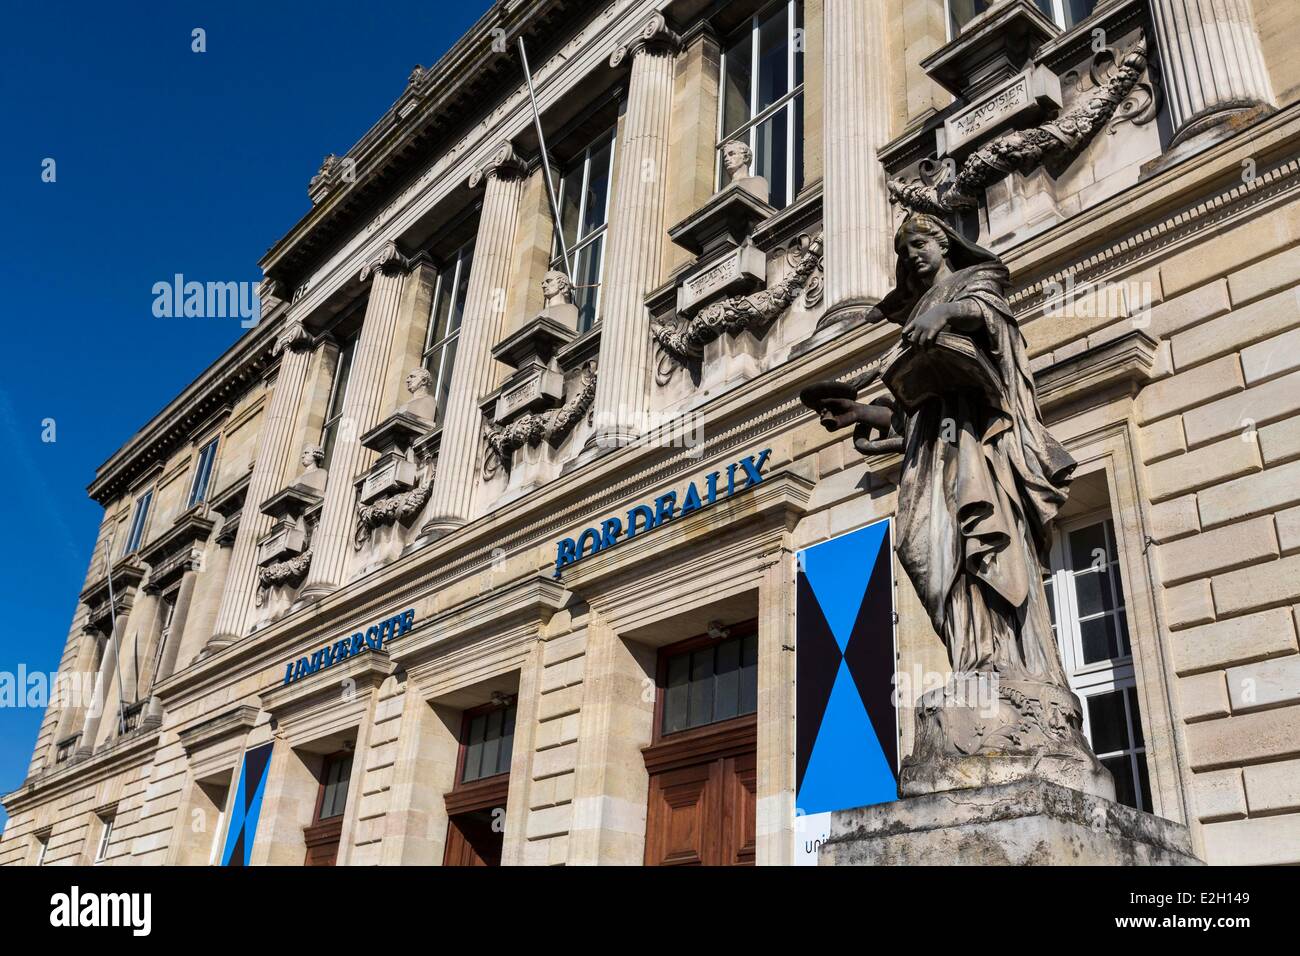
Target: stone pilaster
pixel 858 224
pixel 1213 66
pixel 294 348
pixel 636 233
pixel 331 542
pixel 476 372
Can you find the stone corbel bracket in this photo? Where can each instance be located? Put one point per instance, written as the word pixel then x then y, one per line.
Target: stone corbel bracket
pixel 681 342
pixel 555 425
pixel 402 506
pixel 655 34
pixel 1051 145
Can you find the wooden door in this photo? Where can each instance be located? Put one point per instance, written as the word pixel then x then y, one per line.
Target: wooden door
pixel 701 809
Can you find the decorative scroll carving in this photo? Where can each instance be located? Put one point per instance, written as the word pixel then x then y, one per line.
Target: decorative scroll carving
pixel 1143 101
pixel 388 260
pixel 293 336
pixel 504 440
pixel 682 342
pixel 289 571
pixel 1051 145
pixel 656 34
pixel 402 506
pixel 814 287
pixel 503 162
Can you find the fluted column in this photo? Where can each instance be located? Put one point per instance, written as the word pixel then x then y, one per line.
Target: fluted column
pixel 169 652
pixel 331 542
pixel 105 681
pixel 474 376
pixel 858 223
pixel 1213 67
pixel 294 347
pixel 636 233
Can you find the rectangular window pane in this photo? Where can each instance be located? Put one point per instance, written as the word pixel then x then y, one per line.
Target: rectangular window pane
pixel 771 154
pixel 1107 722
pixel 446 362
pixel 798 145
pixel 457 313
pixel 202 474
pixel 1088 548
pixel 701 707
pixel 586 272
pixel 736 85
pixel 726 700
pixel 138 520
pixel 1093 592
pixel 1121 768
pixel 1135 716
pixel 571 204
pixel 675 699
pixel 773 58
pixel 1075 10
pixel 597 186
pixel 474 748
pixel 335 801
pixel 1144 781
pixel 1097 638
pixel 507 740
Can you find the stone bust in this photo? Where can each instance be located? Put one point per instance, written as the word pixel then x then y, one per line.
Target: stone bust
pixel 736 160
pixel 419 381
pixel 557 298
pixel 313 476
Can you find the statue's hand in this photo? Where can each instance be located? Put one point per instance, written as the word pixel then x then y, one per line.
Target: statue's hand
pixel 837 413
pixel 923 330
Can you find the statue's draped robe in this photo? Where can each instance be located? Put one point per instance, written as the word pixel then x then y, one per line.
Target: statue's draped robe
pixel 981 482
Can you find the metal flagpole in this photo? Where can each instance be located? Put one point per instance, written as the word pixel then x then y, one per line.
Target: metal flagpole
pixel 117 650
pixel 546 165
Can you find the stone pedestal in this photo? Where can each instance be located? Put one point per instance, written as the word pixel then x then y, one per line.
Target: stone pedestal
pixel 1027 823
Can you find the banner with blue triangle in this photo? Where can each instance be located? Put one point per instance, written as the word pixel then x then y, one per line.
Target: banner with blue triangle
pixel 846 727
pixel 246 806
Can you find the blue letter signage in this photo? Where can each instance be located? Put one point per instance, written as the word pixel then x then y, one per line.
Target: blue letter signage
pixel 372 640
pixel 641 518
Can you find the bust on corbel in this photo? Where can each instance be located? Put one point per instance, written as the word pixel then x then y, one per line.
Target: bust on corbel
pixel 557 299
pixel 737 158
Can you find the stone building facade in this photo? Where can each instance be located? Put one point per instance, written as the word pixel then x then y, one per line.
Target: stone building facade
pixel 536 604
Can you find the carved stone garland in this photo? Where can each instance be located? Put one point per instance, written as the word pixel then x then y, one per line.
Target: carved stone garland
pixel 287 571
pixel 402 506
pixel 681 342
pixel 1052 144
pixel 504 440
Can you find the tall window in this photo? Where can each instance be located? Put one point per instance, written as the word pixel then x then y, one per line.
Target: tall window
pixel 488 740
pixel 138 522
pixel 338 394
pixel 334 794
pixel 42 846
pixel 166 614
pixel 708 681
pixel 1064 13
pixel 584 213
pixel 105 836
pixel 762 98
pixel 1086 597
pixel 444 323
pixel 202 474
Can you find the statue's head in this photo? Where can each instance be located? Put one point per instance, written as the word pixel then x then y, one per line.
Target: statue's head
pixel 418 378
pixel 312 456
pixel 736 157
pixel 922 245
pixel 556 285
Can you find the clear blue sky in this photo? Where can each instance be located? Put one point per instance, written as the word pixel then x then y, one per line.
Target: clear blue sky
pixel 167 161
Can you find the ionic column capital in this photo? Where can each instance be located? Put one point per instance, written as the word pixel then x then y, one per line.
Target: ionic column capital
pixel 502 163
pixel 389 260
pixel 293 336
pixel 655 35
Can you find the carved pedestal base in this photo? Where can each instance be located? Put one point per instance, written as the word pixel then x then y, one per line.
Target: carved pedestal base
pixel 979 731
pixel 832 325
pixel 1027 823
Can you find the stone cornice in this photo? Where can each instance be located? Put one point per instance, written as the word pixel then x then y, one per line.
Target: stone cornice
pixel 435 105
pixel 1128 361
pixel 236 720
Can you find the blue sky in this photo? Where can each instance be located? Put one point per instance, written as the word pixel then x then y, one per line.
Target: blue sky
pixel 167 161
